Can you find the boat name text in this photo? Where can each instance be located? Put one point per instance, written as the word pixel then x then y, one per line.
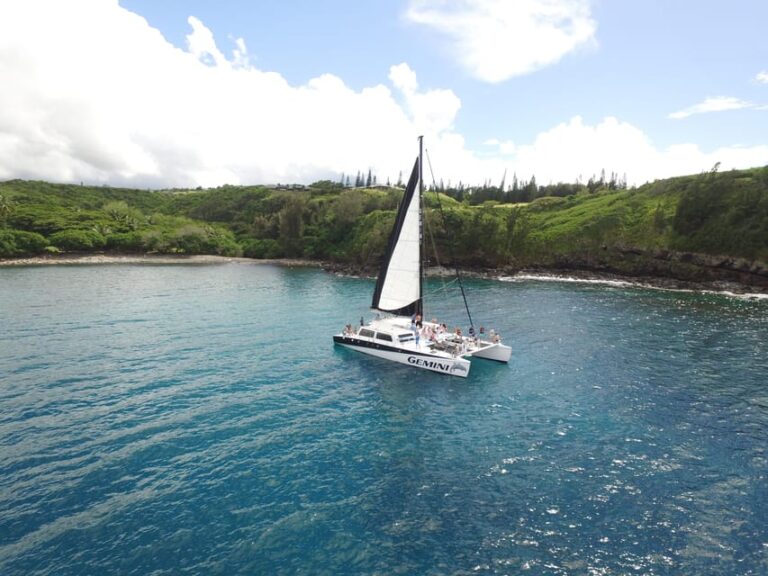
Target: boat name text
pixel 434 365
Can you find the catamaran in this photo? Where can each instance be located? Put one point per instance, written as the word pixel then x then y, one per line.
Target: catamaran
pixel 402 335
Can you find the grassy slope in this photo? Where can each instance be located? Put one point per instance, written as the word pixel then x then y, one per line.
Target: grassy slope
pixel 718 214
pixel 630 231
pixel 689 227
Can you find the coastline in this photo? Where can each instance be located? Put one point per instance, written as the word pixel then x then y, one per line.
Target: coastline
pixel 577 276
pixel 504 275
pixel 720 287
pixel 164 259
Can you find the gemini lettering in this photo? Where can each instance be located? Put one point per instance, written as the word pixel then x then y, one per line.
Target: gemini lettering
pixel 433 364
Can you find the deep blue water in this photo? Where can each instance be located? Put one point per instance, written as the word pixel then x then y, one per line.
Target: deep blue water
pixel 198 420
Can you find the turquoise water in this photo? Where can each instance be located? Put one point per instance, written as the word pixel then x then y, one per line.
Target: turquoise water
pixel 198 420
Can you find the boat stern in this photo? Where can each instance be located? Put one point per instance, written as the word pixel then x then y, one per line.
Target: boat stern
pixel 496 352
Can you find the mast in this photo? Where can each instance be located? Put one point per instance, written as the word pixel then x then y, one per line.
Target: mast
pixel 420 303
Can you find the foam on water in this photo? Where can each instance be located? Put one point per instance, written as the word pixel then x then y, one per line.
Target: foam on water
pixel 522 277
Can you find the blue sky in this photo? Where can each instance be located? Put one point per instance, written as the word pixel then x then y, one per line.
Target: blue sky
pixel 169 93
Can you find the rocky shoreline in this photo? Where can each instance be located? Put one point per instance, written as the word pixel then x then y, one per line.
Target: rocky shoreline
pixel 568 274
pixel 555 273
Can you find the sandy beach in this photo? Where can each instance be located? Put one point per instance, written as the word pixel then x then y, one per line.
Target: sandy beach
pixel 88 259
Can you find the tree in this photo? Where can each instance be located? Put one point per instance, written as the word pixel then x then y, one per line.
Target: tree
pixel 6 207
pixel 291 225
pixel 531 189
pixel 127 217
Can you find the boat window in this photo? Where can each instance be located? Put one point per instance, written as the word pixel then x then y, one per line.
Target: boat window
pixel 405 337
pixel 382 336
pixel 367 333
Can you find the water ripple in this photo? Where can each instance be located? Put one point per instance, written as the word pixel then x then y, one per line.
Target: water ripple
pixel 198 420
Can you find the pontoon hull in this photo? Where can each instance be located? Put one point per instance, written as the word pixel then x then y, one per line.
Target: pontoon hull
pixel 497 352
pixel 453 366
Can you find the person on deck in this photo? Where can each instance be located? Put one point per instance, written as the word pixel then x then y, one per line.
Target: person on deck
pixel 416 327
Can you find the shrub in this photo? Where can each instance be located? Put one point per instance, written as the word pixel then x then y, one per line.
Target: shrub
pixel 126 242
pixel 124 216
pixel 262 248
pixel 78 240
pixel 192 239
pixel 154 241
pixel 21 243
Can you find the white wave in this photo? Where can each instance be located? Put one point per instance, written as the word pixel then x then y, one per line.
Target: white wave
pixel 753 296
pixel 565 279
pixel 745 296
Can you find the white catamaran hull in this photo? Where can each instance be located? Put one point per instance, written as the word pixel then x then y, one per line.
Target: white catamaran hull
pixel 497 352
pixel 445 365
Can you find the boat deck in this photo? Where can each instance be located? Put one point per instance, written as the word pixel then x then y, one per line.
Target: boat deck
pixel 443 343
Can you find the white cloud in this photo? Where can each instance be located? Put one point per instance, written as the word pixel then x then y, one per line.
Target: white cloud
pixel 202 45
pixel 498 39
pixel 575 150
pixel 714 104
pixel 762 77
pixel 116 103
pixel 503 147
pixel 431 112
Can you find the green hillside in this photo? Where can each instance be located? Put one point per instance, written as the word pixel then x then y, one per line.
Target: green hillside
pixel 707 226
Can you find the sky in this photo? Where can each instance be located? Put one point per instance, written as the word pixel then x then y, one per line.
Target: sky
pixel 174 94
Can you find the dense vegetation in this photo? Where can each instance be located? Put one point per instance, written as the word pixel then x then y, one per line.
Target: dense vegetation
pixel 598 225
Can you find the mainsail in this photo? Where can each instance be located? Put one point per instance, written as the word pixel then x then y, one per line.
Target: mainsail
pixel 398 287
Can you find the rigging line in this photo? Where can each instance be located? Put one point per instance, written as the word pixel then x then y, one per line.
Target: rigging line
pixel 429 227
pixel 429 231
pixel 450 242
pixel 445 285
pixel 441 288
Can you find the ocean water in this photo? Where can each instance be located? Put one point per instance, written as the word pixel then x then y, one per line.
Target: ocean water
pixel 198 420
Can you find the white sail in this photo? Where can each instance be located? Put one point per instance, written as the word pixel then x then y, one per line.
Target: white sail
pixel 398 288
